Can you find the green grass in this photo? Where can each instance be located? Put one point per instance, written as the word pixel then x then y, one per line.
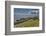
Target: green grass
pixel 29 23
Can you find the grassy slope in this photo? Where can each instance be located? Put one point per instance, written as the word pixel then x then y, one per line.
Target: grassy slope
pixel 29 23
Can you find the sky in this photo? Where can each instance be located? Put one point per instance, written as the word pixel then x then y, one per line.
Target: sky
pixel 23 12
pixel 20 10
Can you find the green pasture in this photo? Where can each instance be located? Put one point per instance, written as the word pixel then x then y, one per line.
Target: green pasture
pixel 28 23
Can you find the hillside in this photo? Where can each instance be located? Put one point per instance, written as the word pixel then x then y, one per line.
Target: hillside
pixel 28 23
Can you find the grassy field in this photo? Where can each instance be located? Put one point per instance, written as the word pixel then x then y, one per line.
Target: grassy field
pixel 29 23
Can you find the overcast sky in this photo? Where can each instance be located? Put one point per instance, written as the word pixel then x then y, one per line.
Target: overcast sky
pixel 23 12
